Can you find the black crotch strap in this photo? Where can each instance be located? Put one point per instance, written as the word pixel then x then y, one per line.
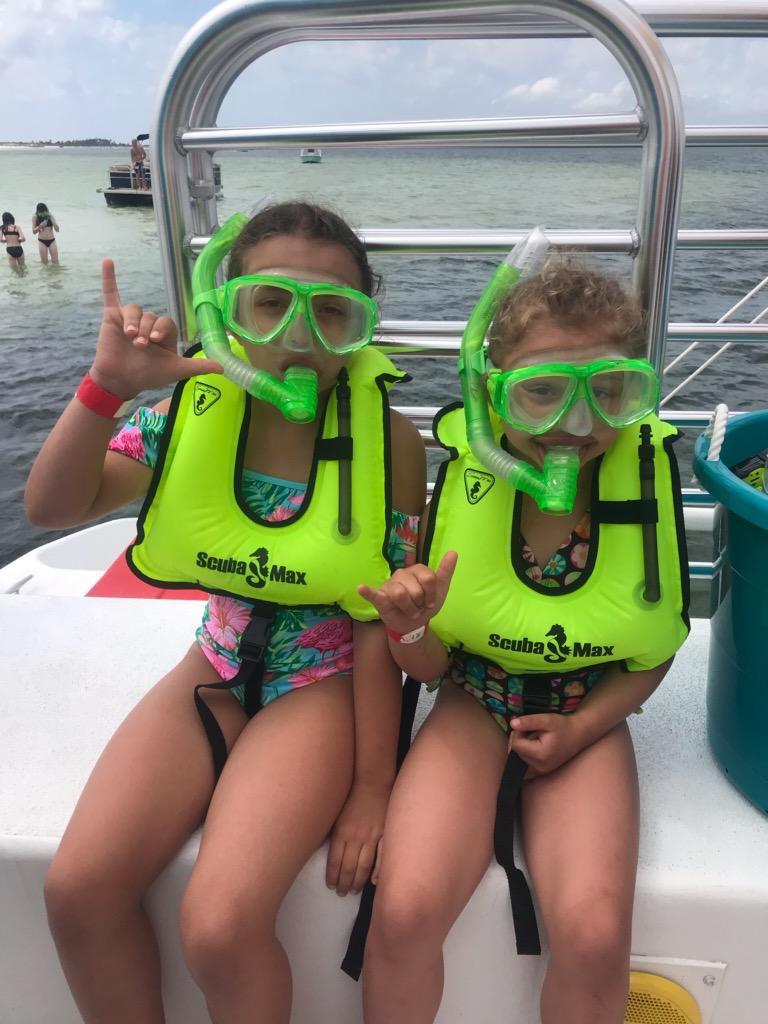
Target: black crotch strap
pixel 523 914
pixel 352 964
pixel 250 651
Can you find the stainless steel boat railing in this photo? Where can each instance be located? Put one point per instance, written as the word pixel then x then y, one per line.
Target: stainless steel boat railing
pixel 228 39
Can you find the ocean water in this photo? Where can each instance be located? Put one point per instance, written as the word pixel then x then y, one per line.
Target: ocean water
pixel 49 317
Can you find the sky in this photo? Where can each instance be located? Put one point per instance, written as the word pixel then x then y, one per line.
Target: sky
pixel 91 68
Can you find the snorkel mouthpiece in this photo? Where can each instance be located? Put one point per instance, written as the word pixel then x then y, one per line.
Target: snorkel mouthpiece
pixel 554 488
pixel 296 395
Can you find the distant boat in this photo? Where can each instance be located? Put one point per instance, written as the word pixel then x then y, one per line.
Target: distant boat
pixel 123 189
pixel 311 155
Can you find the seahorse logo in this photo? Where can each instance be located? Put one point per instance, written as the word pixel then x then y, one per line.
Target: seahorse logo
pixel 205 396
pixel 558 649
pixel 477 484
pixel 259 569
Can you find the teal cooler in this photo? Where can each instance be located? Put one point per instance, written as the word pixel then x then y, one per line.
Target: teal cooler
pixel 737 687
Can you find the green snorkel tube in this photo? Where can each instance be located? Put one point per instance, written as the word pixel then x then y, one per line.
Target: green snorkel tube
pixel 554 488
pixel 296 395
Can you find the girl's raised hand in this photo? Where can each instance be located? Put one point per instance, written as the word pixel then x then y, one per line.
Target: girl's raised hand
pixel 136 349
pixel 411 596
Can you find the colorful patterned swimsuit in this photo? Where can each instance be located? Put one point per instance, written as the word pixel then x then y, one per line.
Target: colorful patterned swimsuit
pixel 306 644
pixel 505 696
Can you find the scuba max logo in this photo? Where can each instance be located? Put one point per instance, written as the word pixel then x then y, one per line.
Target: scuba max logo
pixel 205 396
pixel 257 571
pixel 555 650
pixel 477 484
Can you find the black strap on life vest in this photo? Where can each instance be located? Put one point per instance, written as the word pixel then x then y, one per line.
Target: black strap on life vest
pixel 250 651
pixel 352 964
pixel 647 454
pixel 537 699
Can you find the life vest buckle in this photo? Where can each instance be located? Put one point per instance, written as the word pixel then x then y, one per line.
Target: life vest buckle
pixel 255 636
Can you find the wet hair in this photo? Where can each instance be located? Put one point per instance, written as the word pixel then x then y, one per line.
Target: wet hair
pixel 42 210
pixel 8 218
pixel 305 220
pixel 570 295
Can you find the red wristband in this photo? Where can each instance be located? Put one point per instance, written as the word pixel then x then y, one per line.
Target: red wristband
pixel 407 638
pixel 96 398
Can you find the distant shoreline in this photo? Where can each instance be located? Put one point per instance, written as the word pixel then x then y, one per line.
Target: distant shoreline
pixel 69 144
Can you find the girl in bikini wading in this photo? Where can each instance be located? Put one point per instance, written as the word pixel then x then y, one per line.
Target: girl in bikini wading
pixel 13 236
pixel 312 761
pixel 543 633
pixel 43 225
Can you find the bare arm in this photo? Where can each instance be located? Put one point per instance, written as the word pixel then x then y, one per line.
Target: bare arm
pixel 35 225
pixel 615 697
pixel 377 686
pixel 74 479
pixel 377 679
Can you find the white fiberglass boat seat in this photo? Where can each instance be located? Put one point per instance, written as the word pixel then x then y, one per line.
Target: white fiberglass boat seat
pixel 702 892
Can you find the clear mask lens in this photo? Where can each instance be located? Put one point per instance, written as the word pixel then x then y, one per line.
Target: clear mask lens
pixel 260 310
pixel 341 321
pixel 622 396
pixel 538 400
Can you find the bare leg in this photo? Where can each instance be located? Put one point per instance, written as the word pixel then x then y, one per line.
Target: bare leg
pixel 283 787
pixel 43 250
pixel 580 827
pixel 146 795
pixel 54 252
pixel 464 748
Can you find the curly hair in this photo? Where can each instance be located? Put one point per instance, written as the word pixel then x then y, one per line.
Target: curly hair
pixel 305 220
pixel 569 295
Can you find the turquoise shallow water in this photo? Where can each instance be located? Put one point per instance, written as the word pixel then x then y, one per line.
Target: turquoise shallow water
pixel 50 315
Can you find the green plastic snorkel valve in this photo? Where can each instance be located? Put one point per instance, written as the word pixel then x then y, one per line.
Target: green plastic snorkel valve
pixel 296 395
pixel 554 488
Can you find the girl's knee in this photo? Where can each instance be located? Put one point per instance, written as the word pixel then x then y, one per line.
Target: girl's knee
pixel 593 938
pixel 84 899
pixel 405 922
pixel 218 933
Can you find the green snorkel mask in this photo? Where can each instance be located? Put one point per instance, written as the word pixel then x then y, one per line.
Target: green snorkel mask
pixel 296 395
pixel 554 488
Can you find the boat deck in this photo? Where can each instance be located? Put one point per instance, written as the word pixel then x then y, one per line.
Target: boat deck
pixel 702 890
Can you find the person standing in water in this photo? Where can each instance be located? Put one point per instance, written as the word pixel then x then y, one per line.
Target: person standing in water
pixel 138 156
pixel 13 236
pixel 43 225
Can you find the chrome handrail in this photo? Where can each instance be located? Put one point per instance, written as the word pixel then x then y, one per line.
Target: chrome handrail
pixel 570 131
pixel 494 242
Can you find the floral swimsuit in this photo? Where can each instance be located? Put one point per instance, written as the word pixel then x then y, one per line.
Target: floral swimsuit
pixel 505 696
pixel 306 644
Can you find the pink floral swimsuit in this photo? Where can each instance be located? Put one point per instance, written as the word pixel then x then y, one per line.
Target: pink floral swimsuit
pixel 306 644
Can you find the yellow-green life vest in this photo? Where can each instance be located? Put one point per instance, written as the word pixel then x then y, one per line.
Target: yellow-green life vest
pixel 195 529
pixel 494 610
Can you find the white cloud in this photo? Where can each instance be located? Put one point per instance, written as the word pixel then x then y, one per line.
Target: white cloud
pixel 608 101
pixel 534 90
